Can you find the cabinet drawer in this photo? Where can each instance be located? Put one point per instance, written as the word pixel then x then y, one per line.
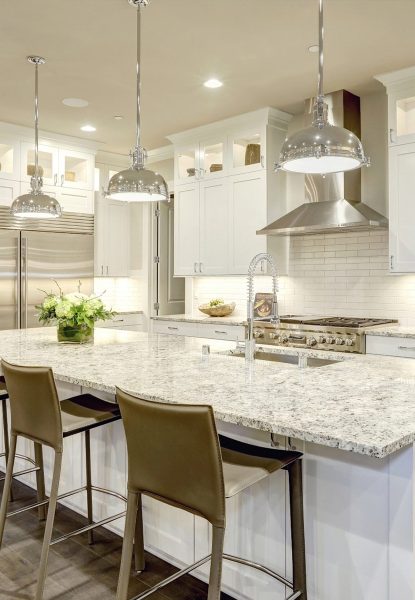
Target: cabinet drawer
pixel 222 332
pixel 390 346
pixel 123 321
pixel 176 328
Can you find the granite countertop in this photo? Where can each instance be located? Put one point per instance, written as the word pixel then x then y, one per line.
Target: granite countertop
pixel 363 404
pixel 400 331
pixel 201 318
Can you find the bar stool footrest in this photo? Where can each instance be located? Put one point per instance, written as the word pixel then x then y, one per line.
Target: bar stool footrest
pixel 62 538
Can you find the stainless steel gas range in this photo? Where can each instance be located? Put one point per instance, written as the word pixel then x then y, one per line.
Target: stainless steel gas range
pixel 321 333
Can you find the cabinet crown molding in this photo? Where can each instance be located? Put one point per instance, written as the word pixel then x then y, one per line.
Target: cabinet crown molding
pixel 396 78
pixel 46 137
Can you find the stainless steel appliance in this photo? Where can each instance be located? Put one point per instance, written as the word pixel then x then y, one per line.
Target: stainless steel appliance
pixel 321 333
pixel 35 252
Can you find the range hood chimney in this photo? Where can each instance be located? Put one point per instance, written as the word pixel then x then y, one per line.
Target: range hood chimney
pixel 333 202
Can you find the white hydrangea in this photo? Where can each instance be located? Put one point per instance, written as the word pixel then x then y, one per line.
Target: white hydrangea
pixel 92 306
pixel 64 309
pixel 76 298
pixel 50 302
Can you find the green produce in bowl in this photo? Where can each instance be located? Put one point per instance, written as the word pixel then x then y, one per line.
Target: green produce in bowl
pixel 216 302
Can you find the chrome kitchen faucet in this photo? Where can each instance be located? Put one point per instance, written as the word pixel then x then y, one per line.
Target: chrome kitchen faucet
pixel 250 338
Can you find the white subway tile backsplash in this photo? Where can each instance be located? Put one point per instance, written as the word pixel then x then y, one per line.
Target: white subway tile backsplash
pixel 339 273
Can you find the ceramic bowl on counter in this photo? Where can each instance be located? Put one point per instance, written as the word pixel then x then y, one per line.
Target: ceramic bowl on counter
pixel 219 310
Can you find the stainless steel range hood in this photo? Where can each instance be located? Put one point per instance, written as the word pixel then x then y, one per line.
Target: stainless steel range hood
pixel 333 202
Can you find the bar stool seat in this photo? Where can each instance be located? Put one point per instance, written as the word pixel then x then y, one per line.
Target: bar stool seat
pixel 86 411
pixel 243 466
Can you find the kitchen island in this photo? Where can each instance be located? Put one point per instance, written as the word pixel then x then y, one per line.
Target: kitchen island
pixel 354 420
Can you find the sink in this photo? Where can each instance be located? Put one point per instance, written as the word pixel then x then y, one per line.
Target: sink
pixel 290 359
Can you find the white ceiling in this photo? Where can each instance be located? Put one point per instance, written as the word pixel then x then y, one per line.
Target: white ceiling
pixel 257 47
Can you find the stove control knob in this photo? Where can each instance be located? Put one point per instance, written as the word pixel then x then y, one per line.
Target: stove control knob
pixel 322 340
pixel 274 336
pixel 283 339
pixel 339 341
pixel 258 333
pixel 311 341
pixel 349 342
pixel 330 339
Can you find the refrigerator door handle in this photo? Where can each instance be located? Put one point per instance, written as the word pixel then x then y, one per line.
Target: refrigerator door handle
pixel 23 310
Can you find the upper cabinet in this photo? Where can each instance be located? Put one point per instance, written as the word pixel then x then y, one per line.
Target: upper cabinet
pixel 66 167
pixel 225 190
pixel 400 87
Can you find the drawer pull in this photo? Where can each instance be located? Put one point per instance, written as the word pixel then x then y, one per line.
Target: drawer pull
pixel 118 320
pixel 406 347
pixel 221 332
pixel 172 328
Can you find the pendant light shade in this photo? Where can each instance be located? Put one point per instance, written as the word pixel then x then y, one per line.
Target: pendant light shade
pixel 138 184
pixel 36 204
pixel 322 148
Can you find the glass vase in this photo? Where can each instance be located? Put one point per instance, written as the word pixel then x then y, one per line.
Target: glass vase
pixel 75 334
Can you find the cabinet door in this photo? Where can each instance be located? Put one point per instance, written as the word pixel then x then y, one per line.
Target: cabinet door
pixel 186 164
pixel 186 229
pixel 212 158
pixel 76 169
pixel 214 221
pixel 247 214
pixel 48 161
pixel 77 201
pixel 9 191
pixel 402 208
pixel 117 239
pixel 9 159
pixel 247 151
pixel 401 117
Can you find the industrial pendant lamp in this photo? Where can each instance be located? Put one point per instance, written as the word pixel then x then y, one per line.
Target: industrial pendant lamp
pixel 322 148
pixel 138 184
pixel 36 204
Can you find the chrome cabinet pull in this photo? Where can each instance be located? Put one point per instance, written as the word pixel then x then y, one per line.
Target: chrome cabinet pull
pixel 200 267
pixel 62 179
pixel 391 265
pixel 55 179
pixel 392 137
pixel 172 328
pixel 262 160
pixel 194 267
pixel 221 332
pixel 406 347
pixel 102 269
pixel 107 269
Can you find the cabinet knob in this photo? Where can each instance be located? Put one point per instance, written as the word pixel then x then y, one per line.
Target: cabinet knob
pixel 62 179
pixel 392 137
pixel 55 179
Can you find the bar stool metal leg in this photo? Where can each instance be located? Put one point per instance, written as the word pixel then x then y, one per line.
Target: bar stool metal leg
pixel 139 560
pixel 89 485
pixel 127 547
pixel 6 439
pixel 297 527
pixel 53 499
pixel 215 577
pixel 40 481
pixel 7 485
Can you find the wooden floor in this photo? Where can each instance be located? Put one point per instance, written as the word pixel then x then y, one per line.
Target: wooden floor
pixel 77 570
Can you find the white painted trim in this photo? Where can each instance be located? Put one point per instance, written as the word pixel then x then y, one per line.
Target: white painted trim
pixel 396 77
pixel 269 115
pixel 45 137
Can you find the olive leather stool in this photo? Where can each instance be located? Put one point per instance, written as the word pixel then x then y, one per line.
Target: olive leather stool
pixel 38 468
pixel 176 456
pixel 39 416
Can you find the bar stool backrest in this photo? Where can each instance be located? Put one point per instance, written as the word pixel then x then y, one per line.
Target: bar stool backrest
pixel 34 404
pixel 174 455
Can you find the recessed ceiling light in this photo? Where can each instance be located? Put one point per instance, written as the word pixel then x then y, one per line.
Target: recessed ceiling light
pixel 75 102
pixel 88 128
pixel 213 83
pixel 313 49
pixel 118 117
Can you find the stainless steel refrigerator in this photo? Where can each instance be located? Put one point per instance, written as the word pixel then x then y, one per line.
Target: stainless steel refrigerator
pixel 33 254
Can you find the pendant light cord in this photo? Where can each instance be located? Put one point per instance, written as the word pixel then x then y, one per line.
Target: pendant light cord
pixel 320 48
pixel 138 137
pixel 36 121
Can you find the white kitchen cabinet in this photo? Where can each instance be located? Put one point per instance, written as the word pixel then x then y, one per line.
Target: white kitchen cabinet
pixel 400 87
pixel 248 213
pixel 9 158
pixel 217 331
pixel 79 201
pixel 48 163
pixel 112 246
pixel 402 208
pixel 124 322
pixel 9 190
pixel 213 227
pixel 219 210
pixel 390 346
pixel 186 229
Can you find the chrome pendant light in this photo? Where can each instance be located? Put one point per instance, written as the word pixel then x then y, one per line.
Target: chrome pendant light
pixel 322 148
pixel 36 204
pixel 138 184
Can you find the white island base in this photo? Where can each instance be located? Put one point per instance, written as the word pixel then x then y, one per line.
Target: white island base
pixel 358 515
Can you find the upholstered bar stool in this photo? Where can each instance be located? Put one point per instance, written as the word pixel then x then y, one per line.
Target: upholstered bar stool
pixel 38 468
pixel 38 415
pixel 176 456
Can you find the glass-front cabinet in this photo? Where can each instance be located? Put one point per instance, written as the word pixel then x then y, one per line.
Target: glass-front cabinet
pixel 248 151
pixel 212 158
pixel 76 169
pixel 187 163
pixel 48 163
pixel 9 159
pixel 400 88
